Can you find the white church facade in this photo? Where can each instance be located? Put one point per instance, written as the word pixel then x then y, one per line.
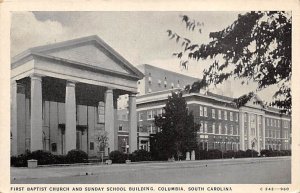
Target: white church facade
pixel 64 95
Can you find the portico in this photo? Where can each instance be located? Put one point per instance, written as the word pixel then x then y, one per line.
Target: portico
pixel 64 94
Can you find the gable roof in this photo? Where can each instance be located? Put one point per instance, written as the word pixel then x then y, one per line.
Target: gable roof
pixel 47 51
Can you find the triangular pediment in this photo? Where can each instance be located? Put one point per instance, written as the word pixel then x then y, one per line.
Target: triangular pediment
pixel 89 54
pixel 255 102
pixel 89 51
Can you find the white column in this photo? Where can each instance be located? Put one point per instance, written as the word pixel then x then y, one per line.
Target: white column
pixel 264 133
pixel 36 123
pixel 242 133
pixel 109 118
pixel 258 134
pixel 13 118
pixel 249 131
pixel 70 110
pixel 132 123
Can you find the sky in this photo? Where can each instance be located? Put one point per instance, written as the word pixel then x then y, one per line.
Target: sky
pixel 140 37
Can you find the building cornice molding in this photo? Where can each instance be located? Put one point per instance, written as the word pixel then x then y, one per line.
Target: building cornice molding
pixel 84 66
pixel 95 40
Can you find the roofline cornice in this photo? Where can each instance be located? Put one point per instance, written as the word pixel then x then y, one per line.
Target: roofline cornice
pixel 84 66
pixel 92 39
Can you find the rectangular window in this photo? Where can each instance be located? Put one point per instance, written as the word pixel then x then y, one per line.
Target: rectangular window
pixel 286 123
pixel 219 114
pixel 231 130
pixel 140 116
pixel 201 127
pixel 201 111
pixel 91 145
pixel 225 115
pixel 53 147
pixel 271 123
pixel 231 116
pixel 205 127
pixel 205 111
pixel 220 128
pixel 213 113
pixel 120 127
pixel 149 115
pixel 271 133
pixel 159 112
pixel 237 117
pixel 150 128
pixel 213 128
pixel 225 129
pixel 154 113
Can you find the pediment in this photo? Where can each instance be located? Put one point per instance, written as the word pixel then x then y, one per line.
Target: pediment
pixel 90 54
pixel 89 51
pixel 255 102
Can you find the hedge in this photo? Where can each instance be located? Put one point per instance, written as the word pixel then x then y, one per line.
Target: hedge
pixel 217 154
pixel 117 157
pixel 47 158
pixel 273 153
pixel 140 155
pixel 76 156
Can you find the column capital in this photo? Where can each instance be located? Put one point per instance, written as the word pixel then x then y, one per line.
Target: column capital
pixel 109 90
pixel 132 94
pixel 35 76
pixel 70 83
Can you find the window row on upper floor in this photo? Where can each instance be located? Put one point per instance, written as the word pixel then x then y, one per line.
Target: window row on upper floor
pixel 270 133
pixel 276 122
pixel 218 114
pixel 151 129
pixel 150 114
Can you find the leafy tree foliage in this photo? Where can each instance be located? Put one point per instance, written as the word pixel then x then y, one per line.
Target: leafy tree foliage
pixel 255 47
pixel 177 126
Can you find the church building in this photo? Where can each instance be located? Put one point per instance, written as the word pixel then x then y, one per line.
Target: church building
pixel 64 95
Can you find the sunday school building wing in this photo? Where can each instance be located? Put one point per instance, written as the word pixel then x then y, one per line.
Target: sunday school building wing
pixel 65 94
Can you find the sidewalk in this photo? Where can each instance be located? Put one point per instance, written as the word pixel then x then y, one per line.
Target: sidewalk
pixel 82 170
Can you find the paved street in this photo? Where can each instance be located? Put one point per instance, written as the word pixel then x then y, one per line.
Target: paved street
pixel 229 171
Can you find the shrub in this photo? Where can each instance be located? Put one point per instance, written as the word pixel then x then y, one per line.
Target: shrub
pixel 240 154
pixel 140 155
pixel 200 154
pixel 60 159
pixel 117 157
pixel 76 156
pixel 214 154
pixel 43 157
pixel 20 160
pixel 251 153
pixel 286 152
pixel 228 154
pixel 266 153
